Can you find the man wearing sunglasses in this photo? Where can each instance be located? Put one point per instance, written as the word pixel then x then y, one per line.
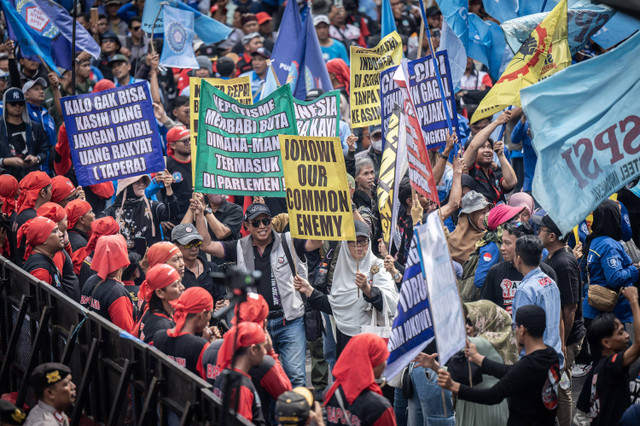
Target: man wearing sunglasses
pixel 264 250
pixel 23 143
pixel 197 268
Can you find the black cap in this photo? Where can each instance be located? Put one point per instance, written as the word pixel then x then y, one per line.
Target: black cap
pixel 11 415
pixel 291 408
pixel 13 94
pixel 109 35
pixel 313 94
pixel 433 11
pixel 531 317
pixel 255 210
pixel 48 374
pixel 225 66
pixel 546 221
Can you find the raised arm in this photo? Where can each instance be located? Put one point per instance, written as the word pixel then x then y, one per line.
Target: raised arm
pixel 482 136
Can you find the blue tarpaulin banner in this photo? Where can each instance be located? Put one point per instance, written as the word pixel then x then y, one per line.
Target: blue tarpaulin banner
pixel 113 134
pixel 412 326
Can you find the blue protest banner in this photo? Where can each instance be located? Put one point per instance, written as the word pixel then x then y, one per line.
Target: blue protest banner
pixel 426 97
pixel 283 52
pixel 177 48
pixel 586 136
pixel 113 134
pixel 412 327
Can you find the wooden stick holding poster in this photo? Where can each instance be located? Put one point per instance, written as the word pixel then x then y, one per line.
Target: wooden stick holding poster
pixel 318 197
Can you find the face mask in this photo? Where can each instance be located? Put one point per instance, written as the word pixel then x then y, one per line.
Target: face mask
pixel 377 145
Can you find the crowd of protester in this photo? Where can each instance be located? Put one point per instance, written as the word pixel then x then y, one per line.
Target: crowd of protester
pixel 142 251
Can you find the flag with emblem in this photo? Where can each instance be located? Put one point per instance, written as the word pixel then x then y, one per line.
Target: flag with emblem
pixel 545 52
pixel 178 38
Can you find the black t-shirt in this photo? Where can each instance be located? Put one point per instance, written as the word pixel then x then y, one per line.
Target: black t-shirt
pixel 610 395
pixel 531 384
pixel 567 270
pixel 501 283
pixel 267 282
pixel 204 280
pixel 182 184
pixel 153 321
pixel 489 186
pixel 77 239
pixel 186 349
pixel 17 135
pixel 366 409
pixel 230 215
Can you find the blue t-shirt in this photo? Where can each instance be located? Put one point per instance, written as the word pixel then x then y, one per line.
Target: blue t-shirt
pixel 336 50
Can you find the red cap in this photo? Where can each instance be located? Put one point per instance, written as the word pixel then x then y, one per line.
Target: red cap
pixel 500 214
pixel 263 17
pixel 61 188
pixel 102 85
pixel 175 134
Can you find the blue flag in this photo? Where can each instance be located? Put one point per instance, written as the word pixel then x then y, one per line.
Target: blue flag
pixel 412 327
pixel 456 13
pixel 388 22
pixel 486 44
pixel 308 70
pixel 617 29
pixel 32 45
pixel 177 48
pixel 208 29
pixel 283 53
pixel 585 135
pixel 452 44
pixel 503 10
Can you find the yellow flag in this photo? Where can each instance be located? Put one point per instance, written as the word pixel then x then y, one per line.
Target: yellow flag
pixel 545 52
pixel 387 177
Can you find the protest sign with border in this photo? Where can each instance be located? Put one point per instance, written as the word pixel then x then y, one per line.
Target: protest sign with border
pixel 366 65
pixel 319 117
pixel 238 146
pixel 425 94
pixel 238 88
pixel 318 197
pixel 113 134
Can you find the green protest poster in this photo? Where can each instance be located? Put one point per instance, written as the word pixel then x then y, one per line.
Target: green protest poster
pixel 320 117
pixel 238 150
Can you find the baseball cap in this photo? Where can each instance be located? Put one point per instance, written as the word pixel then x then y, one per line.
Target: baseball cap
pixel 118 58
pixel 48 374
pixel 321 19
pixel 313 94
pixel 255 210
pixel 184 233
pixel 177 133
pixel 14 94
pixel 204 62
pixel 291 408
pixel 225 65
pixel 531 316
pixel 263 17
pixel 546 221
pixel 375 129
pixel 29 84
pixel 362 229
pixel 247 38
pixel 108 35
pixel 262 51
pixel 472 202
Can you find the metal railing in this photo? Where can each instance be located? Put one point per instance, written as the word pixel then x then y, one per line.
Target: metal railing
pixel 120 379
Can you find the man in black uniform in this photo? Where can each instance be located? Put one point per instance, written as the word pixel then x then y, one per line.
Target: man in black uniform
pixel 179 165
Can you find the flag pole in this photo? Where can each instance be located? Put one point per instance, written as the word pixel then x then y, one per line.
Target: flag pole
pixel 153 28
pixel 73 47
pixel 445 103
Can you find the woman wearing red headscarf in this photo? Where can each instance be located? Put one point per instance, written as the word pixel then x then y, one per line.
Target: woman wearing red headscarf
pixel 162 286
pixel 355 390
pixel 80 216
pixel 166 252
pixel 35 190
pixel 269 377
pixel 9 190
pixel 192 312
pixel 104 292
pixel 83 257
pixel 339 74
pixel 251 345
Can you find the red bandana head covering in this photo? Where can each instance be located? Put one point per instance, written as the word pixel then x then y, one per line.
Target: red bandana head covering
pixel 254 309
pixel 161 252
pixel 30 187
pixel 111 255
pixel 103 84
pixel 8 191
pixel 99 228
pixel 158 277
pixel 36 231
pixel 249 333
pixel 192 301
pixel 340 69
pixel 75 210
pixel 354 369
pixel 52 211
pixel 500 214
pixel 61 188
pixel 175 134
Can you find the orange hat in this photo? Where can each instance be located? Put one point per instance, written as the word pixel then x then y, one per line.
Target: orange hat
pixel 8 191
pixel 52 211
pixel 248 333
pixel 161 252
pixel 36 231
pixel 61 188
pixel 192 301
pixel 254 309
pixel 75 210
pixel 30 186
pixel 103 84
pixel 158 277
pixel 111 255
pixel 175 134
pixel 263 17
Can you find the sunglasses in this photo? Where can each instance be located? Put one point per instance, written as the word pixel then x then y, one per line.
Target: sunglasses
pixel 16 104
pixel 197 243
pixel 72 197
pixel 135 28
pixel 265 222
pixel 361 243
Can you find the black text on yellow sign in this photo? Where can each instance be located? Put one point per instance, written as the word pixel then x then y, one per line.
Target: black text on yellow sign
pixel 318 197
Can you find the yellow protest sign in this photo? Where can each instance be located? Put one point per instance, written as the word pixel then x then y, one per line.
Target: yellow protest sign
pixel 318 197
pixel 366 66
pixel 238 88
